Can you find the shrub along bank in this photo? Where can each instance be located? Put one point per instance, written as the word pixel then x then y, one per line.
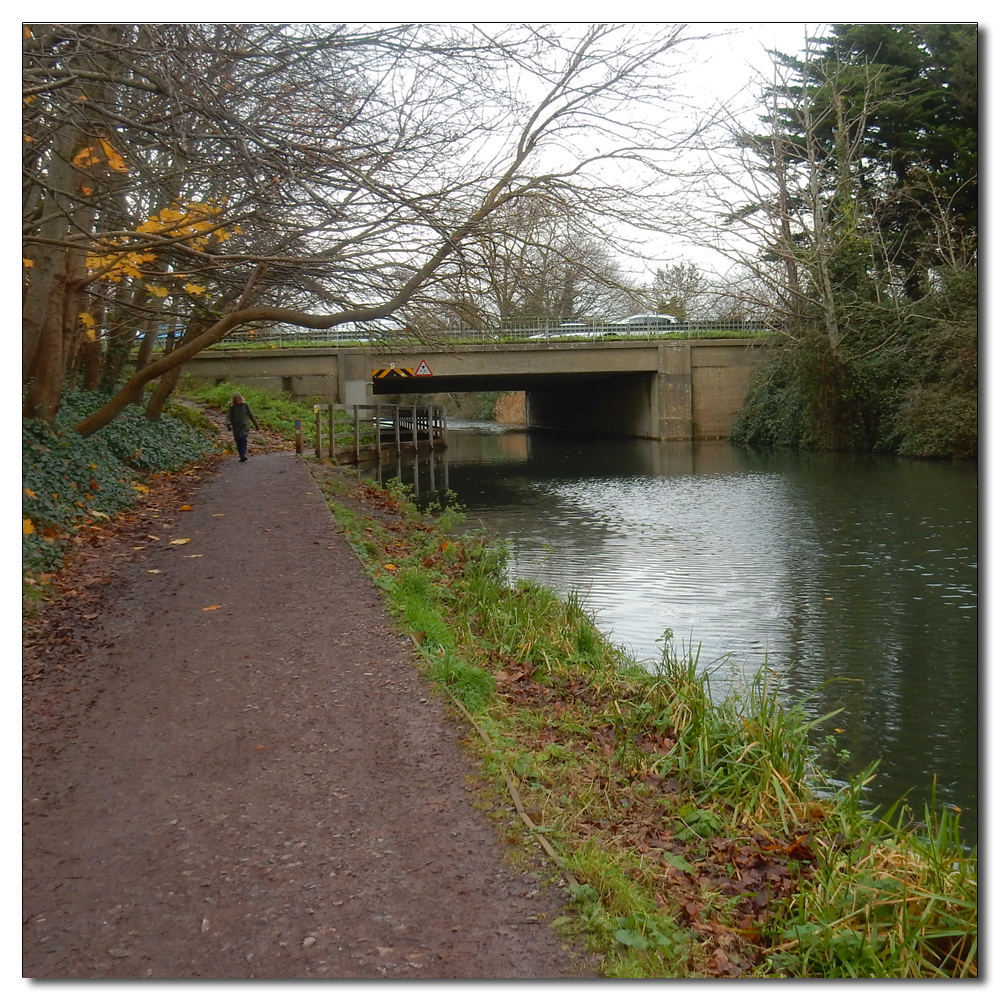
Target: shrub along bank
pixel 70 484
pixel 910 387
pixel 696 839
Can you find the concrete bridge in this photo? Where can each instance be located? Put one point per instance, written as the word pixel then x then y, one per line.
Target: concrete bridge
pixel 662 389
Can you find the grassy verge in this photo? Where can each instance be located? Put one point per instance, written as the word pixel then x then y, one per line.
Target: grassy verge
pixel 697 839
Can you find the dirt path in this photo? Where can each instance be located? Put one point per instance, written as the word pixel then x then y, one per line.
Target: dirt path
pixel 265 789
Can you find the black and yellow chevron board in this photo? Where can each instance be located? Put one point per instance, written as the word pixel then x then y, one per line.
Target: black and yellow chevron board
pixel 392 373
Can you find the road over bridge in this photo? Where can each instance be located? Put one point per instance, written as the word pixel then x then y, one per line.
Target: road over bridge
pixel 670 390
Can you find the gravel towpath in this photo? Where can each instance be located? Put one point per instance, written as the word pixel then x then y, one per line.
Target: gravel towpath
pixel 245 777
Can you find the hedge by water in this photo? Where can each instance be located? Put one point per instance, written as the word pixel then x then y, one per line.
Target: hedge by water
pixel 69 481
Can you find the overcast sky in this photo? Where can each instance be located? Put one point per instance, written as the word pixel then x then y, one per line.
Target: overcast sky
pixel 728 69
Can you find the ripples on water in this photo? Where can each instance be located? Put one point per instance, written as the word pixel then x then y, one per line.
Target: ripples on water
pixel 854 578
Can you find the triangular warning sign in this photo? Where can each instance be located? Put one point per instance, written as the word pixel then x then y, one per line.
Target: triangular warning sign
pixel 422 369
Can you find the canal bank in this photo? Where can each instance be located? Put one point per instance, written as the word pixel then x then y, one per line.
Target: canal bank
pixel 685 827
pixel 854 578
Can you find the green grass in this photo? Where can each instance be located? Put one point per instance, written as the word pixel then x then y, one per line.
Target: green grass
pixel 697 836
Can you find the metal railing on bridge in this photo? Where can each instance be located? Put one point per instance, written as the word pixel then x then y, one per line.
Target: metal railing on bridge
pixel 512 331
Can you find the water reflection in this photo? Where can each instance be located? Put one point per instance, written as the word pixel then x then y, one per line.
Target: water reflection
pixel 855 578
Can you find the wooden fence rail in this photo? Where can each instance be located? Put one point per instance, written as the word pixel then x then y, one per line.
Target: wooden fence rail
pixel 365 430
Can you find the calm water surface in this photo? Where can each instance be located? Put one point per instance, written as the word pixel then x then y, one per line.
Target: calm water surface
pixel 853 577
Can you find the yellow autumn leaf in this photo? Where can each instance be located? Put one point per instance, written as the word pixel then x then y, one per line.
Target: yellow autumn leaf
pixel 212 607
pixel 27 263
pixel 390 566
pixel 157 290
pixel 195 289
pixel 27 526
pixel 86 157
pixel 179 541
pixel 185 506
pixel 115 161
pixel 29 493
pixel 140 487
pixel 86 191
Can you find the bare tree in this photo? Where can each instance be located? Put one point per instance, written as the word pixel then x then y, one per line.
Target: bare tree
pixel 535 258
pixel 792 205
pixel 679 290
pixel 228 175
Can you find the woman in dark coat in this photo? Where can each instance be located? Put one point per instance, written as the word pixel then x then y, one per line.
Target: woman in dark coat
pixel 239 420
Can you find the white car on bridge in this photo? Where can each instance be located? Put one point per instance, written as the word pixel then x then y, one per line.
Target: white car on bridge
pixel 633 326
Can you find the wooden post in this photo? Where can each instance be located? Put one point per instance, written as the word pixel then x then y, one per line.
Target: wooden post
pixel 330 412
pixel 319 435
pixel 413 431
pixel 378 434
pixel 298 437
pixel 395 424
pixel 357 437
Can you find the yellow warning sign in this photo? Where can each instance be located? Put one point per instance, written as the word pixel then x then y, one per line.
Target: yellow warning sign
pixel 422 369
pixel 392 372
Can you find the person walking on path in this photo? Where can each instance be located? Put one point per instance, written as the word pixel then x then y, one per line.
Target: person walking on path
pixel 238 421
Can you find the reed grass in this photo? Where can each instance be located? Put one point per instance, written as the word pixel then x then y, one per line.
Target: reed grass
pixel 659 796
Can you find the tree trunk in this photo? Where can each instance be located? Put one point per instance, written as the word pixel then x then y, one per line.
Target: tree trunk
pixel 50 321
pixel 115 356
pixel 90 363
pixel 146 345
pixel 47 369
pixel 168 380
pixel 91 359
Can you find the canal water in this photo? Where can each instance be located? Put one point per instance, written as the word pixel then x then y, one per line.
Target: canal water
pixel 854 578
